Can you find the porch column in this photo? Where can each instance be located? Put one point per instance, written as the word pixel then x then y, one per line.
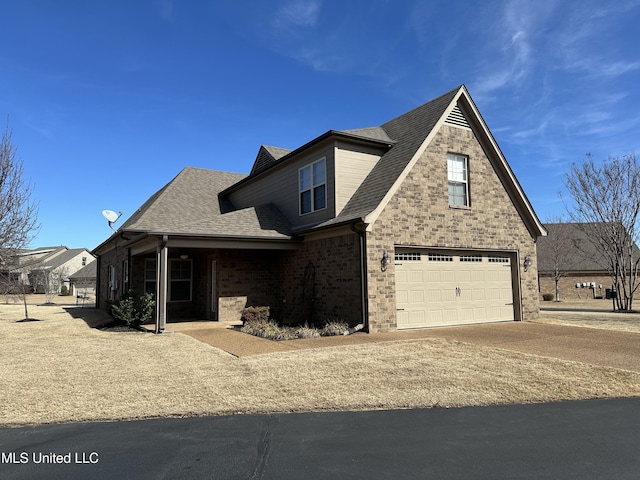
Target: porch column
pixel 161 284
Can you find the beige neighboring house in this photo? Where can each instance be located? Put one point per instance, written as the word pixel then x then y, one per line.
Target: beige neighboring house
pixel 418 222
pixel 49 268
pixel 83 282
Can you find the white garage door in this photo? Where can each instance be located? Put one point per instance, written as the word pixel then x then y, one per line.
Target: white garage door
pixel 452 288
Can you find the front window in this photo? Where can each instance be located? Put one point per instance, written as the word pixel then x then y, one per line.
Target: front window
pixel 457 174
pixel 313 187
pixel 179 279
pixel 150 275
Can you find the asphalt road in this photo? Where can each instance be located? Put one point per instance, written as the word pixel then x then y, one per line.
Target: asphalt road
pixel 584 440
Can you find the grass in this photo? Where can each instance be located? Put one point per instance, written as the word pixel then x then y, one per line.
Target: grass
pixel 61 370
pixel 579 313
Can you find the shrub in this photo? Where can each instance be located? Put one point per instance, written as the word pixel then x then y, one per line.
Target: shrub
pixel 268 329
pixel 271 330
pixel 64 291
pixel 134 310
pixel 306 332
pixel 258 314
pixel 547 297
pixel 334 327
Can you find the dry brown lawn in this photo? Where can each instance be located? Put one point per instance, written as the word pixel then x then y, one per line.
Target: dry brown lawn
pixel 589 313
pixel 61 370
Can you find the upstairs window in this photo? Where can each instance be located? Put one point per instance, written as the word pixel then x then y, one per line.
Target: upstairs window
pixel 457 174
pixel 313 187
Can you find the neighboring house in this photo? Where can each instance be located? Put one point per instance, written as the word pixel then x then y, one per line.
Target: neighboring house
pixel 44 267
pixel 415 223
pixel 83 282
pixel 583 270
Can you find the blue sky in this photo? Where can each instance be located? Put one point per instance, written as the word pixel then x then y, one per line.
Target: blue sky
pixel 109 99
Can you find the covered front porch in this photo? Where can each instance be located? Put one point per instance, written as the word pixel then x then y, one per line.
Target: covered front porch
pixel 199 279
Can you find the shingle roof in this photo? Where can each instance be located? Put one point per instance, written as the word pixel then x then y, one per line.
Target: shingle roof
pixel 189 205
pixel 194 202
pixel 408 132
pixel 266 157
pixel 581 254
pixel 371 133
pixel 88 271
pixel 62 258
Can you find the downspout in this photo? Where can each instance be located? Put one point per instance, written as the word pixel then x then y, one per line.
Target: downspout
pixel 364 283
pixel 98 276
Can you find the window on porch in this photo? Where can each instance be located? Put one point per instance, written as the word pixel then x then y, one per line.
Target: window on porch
pixel 179 281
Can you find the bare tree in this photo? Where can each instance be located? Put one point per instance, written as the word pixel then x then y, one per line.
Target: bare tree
pixel 48 280
pixel 18 214
pixel 558 250
pixel 606 198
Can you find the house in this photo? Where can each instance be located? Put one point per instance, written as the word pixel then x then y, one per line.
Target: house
pixel 44 268
pixel 83 282
pixel 50 273
pixel 582 269
pixel 415 223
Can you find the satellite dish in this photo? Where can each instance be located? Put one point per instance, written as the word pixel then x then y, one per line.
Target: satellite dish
pixel 110 215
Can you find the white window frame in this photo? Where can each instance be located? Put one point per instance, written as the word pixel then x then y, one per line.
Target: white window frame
pixel 453 179
pixel 314 184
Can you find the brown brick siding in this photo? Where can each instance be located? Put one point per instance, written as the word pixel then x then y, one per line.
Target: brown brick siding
pixel 419 215
pixel 270 278
pixel 336 293
pixel 567 286
pixel 117 258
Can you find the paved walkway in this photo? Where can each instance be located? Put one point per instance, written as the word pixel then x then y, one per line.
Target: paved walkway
pixel 598 347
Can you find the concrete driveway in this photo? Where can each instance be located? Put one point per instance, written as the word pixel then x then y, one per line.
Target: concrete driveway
pixel 594 346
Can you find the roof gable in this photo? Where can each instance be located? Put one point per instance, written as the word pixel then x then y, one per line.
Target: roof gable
pixel 576 247
pixel 413 131
pixel 266 157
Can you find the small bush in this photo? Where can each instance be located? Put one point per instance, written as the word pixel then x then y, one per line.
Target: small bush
pixel 255 314
pixel 334 327
pixel 133 310
pixel 547 297
pixel 306 332
pixel 271 330
pixel 268 329
pixel 64 291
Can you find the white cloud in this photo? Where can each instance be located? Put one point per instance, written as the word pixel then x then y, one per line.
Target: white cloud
pixel 299 13
pixel 508 58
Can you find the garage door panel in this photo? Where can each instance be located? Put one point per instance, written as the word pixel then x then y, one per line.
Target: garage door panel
pixel 436 289
pixel 463 276
pixel 478 295
pixel 477 276
pixel 416 276
pixel 447 276
pixel 416 297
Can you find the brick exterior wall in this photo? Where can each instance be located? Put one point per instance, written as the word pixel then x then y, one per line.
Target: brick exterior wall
pixel 270 278
pixel 567 286
pixel 335 265
pixel 115 257
pixel 419 215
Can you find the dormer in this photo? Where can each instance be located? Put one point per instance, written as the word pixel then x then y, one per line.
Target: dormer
pixel 312 184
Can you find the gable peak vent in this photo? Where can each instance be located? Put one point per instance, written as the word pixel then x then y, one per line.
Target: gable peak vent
pixel 457 118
